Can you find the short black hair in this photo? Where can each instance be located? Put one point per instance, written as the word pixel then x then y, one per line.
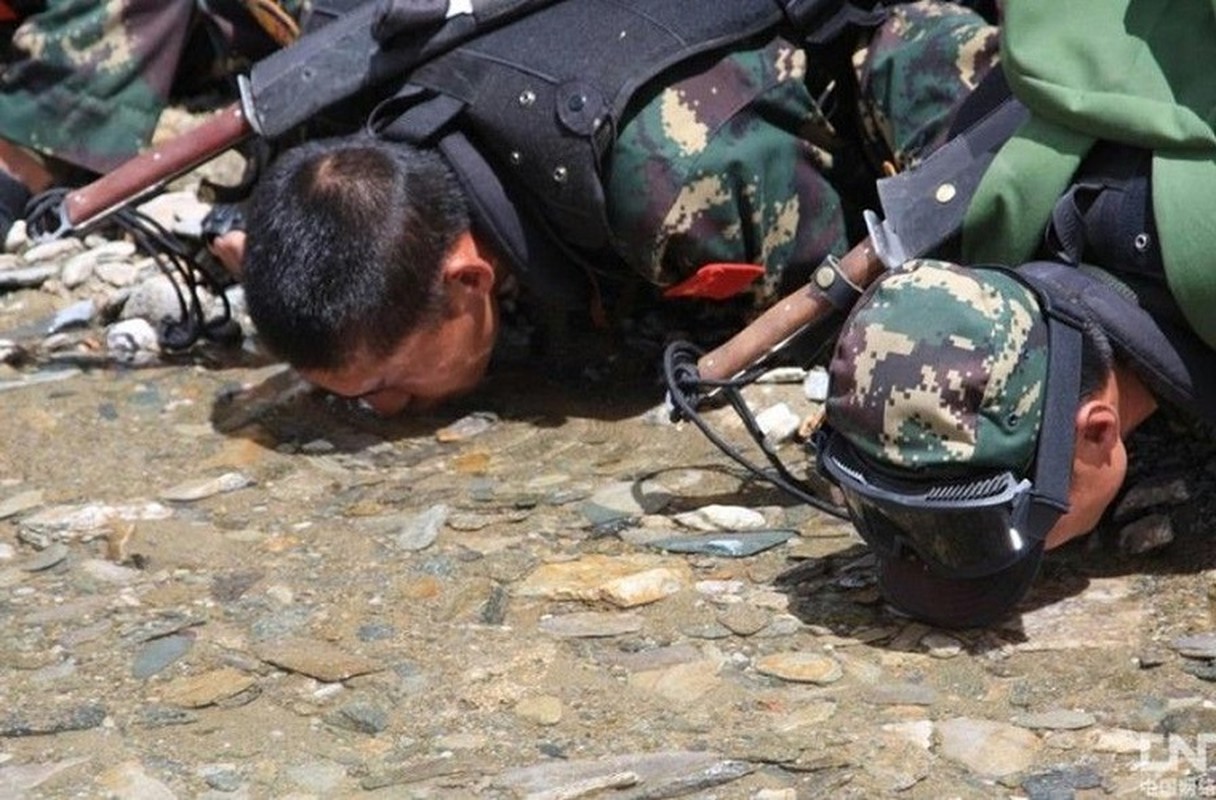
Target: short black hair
pixel 1097 358
pixel 346 239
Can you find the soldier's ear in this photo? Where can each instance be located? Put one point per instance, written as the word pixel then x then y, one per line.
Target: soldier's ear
pixel 1098 430
pixel 467 268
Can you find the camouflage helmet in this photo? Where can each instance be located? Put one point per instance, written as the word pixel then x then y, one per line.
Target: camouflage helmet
pixel 942 369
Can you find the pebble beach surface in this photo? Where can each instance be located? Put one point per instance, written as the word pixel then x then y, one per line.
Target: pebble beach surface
pixel 216 582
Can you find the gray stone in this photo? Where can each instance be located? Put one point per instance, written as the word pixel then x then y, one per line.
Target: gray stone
pixel 590 624
pixel 52 250
pixel 1199 645
pixel 18 779
pixel 1146 534
pixel 778 423
pixel 131 781
pixel 360 717
pixel 420 531
pixel 158 654
pixel 1061 783
pixel 56 720
pixel 77 315
pixel 221 777
pixel 467 427
pixel 728 545
pixel 714 517
pixel 319 777
pixel 901 694
pixel 46 559
pixel 743 619
pixel 1150 493
pixel 623 500
pixel 27 277
pixel 202 488
pixel 1056 719
pixel 662 775
pixel 815 387
pixel 132 340
pixel 117 273
pixel 152 300
pixel 19 503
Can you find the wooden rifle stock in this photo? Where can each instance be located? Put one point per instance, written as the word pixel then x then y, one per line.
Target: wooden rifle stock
pixel 152 169
pixel 788 316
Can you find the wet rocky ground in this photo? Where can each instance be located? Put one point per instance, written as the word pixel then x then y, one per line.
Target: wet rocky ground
pixel 215 582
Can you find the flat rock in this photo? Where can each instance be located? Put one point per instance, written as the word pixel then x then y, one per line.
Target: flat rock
pixel 1107 615
pixel 721 518
pixel 588 578
pixel 130 780
pixel 901 694
pixel 543 710
pixel 625 499
pixel 17 779
pixel 198 691
pixel 989 749
pixel 1199 645
pixel 642 588
pixel 799 667
pixel 726 545
pixel 652 770
pixel 590 624
pixel 20 503
pixel 202 488
pixel 1056 719
pixel 682 684
pixel 316 659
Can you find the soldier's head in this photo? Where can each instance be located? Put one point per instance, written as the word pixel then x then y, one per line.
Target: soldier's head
pixel 956 398
pixel 363 273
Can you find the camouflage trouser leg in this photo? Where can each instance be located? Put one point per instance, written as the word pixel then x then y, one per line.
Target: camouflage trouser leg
pixel 729 164
pixel 86 81
pixel 90 79
pixel 916 71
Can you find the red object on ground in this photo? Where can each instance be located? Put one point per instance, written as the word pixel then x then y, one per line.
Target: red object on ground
pixel 716 281
pixel 6 13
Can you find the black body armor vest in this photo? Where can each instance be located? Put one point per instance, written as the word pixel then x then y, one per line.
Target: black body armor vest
pixel 527 114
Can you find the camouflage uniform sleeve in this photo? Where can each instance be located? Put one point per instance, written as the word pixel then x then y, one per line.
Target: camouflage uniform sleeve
pixel 86 81
pixel 718 166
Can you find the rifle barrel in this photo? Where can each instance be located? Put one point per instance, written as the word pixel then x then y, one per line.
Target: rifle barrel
pixel 155 167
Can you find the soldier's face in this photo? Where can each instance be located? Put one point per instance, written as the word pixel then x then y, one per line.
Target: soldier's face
pixel 1099 462
pixel 442 359
pixel 1093 489
pixel 439 362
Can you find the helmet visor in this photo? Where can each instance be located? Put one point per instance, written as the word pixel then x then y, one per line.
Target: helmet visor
pixel 964 530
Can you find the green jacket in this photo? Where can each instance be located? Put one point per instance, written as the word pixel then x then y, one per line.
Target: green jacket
pixel 1132 71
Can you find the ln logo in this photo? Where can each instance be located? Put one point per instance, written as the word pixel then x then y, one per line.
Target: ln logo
pixel 1180 751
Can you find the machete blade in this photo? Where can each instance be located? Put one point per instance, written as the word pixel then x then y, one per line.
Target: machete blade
pixel 925 205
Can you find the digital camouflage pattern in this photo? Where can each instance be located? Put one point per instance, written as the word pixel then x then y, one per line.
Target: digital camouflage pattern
pixel 941 367
pixel 915 72
pixel 729 164
pixel 86 80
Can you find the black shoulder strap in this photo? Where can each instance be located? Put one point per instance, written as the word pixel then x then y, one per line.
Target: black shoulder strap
pixel 532 254
pixel 421 118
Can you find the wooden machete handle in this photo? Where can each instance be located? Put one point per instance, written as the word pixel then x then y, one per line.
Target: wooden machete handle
pixel 787 317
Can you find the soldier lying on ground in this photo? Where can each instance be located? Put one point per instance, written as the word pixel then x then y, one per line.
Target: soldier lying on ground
pixel 376 267
pixel 83 84
pixel 979 416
